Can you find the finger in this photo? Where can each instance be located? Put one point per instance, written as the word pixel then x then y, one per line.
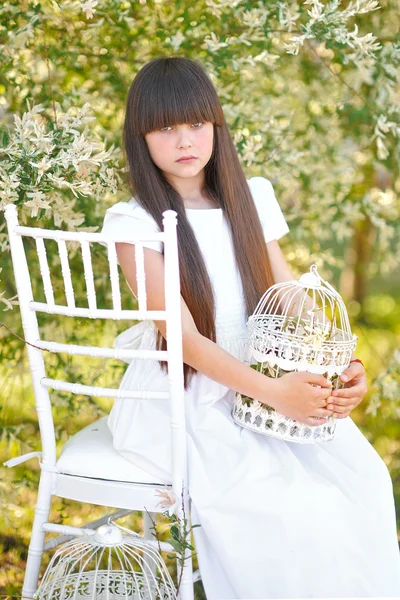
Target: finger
pixel 313 421
pixel 322 394
pixel 341 410
pixel 354 390
pixel 334 402
pixel 322 412
pixel 353 370
pixel 341 415
pixel 318 380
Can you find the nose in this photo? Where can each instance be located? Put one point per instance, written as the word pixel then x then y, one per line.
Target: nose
pixel 184 138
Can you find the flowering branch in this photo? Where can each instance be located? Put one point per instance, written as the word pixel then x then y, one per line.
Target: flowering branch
pixel 180 528
pixel 42 161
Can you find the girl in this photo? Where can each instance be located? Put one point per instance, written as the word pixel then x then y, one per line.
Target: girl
pixel 278 520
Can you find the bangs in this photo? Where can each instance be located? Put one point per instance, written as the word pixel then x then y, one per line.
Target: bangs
pixel 171 92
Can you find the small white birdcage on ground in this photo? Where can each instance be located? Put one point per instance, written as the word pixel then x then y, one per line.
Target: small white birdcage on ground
pixel 297 326
pixel 110 563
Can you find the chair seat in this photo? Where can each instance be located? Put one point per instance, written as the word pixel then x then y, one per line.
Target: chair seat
pixel 90 453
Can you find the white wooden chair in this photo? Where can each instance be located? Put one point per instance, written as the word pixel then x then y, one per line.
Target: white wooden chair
pixel 107 478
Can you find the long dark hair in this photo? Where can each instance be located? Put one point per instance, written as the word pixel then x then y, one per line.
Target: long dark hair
pixel 172 90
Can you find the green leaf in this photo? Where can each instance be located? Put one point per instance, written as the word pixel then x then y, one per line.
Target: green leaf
pixel 175 533
pixel 177 546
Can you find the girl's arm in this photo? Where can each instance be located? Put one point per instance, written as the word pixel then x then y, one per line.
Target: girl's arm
pixel 295 394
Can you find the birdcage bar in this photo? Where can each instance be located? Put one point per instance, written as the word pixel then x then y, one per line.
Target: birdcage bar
pixel 128 567
pixel 312 313
pixel 331 300
pixel 151 551
pixel 302 306
pixel 288 298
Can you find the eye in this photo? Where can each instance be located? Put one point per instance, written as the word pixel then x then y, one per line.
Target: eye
pixel 198 125
pixel 166 128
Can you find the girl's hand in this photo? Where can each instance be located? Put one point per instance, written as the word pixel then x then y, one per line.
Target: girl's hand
pixel 302 396
pixel 344 400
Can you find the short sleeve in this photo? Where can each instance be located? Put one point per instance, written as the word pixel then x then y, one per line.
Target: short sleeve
pixel 130 219
pixel 271 216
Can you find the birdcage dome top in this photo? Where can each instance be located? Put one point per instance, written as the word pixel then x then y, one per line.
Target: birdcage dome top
pixel 310 280
pixel 302 324
pixel 111 563
pixel 107 535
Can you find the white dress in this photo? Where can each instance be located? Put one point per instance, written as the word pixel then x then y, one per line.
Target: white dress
pixel 278 519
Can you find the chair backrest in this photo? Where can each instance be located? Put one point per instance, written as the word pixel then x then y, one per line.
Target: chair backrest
pixel 35 347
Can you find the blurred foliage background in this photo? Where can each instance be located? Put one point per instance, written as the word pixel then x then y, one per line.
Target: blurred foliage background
pixel 311 93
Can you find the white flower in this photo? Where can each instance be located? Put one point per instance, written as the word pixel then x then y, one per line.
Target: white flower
pixel 285 17
pixel 216 7
pixel 83 187
pixel 168 500
pixel 38 201
pixel 65 212
pixel 255 17
pixel 317 335
pixel 250 149
pixel 213 42
pixel 297 42
pixel 89 8
pixel 316 10
pixel 9 184
pixel 20 39
pixel 365 45
pixel 42 166
pixel 9 302
pixel 177 39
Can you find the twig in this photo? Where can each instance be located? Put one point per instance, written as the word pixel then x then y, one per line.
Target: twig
pixel 352 90
pixel 154 528
pixel 155 534
pixel 21 338
pixel 185 533
pixel 179 531
pixel 46 47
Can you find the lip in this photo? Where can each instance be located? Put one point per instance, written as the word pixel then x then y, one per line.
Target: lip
pixel 186 159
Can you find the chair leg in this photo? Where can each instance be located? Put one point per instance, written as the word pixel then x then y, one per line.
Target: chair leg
pixel 36 545
pixel 186 589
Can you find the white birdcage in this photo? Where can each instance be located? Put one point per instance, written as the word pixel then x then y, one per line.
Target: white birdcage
pixel 288 333
pixel 107 564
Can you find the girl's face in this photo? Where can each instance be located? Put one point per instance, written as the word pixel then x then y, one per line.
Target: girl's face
pixel 171 145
